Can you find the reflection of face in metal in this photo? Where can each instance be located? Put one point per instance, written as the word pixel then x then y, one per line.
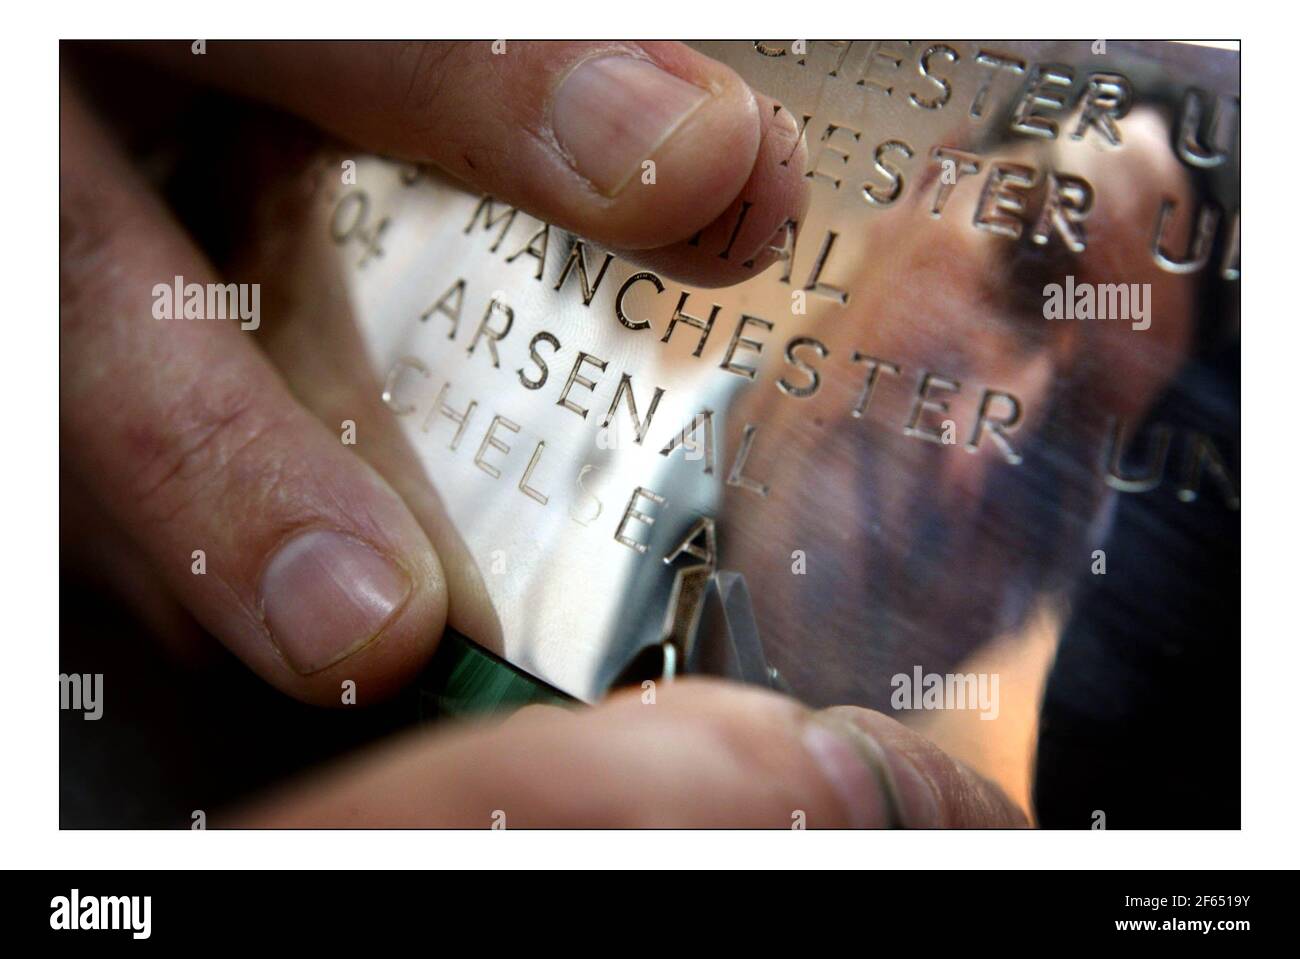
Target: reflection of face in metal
pixel 973 465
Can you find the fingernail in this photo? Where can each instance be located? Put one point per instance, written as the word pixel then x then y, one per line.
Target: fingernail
pixel 612 113
pixel 878 788
pixel 326 594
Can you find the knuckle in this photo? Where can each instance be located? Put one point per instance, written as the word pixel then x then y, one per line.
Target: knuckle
pixel 426 65
pixel 450 123
pixel 213 446
pixel 94 245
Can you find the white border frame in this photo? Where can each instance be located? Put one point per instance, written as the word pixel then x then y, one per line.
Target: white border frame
pixel 29 801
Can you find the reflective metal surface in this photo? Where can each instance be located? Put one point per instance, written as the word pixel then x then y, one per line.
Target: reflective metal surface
pixel 899 447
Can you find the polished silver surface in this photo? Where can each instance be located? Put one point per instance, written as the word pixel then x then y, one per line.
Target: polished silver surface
pixel 895 443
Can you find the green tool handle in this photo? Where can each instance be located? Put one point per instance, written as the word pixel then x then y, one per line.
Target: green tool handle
pixel 464 679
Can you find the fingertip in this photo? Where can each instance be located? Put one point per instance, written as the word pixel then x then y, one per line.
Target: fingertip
pixel 348 595
pixel 353 620
pixel 747 237
pixel 666 142
pixel 931 789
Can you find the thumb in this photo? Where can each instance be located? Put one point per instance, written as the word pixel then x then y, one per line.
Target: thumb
pixel 279 540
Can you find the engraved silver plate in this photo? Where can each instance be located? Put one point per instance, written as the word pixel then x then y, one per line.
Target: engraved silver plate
pixel 915 473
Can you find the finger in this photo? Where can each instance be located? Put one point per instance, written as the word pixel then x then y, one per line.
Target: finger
pixel 749 235
pixel 317 348
pixel 921 771
pixel 100 554
pixel 277 538
pixel 637 146
pixel 703 754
